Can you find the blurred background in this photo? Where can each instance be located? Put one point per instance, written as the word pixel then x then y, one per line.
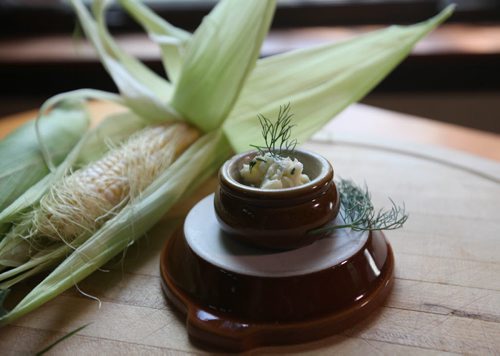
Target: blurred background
pixel 452 76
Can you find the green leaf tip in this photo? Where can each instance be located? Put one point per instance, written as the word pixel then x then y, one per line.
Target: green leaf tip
pixel 445 13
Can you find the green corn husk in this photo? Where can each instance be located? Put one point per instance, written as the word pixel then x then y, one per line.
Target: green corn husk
pixel 322 81
pixel 93 145
pixel 204 156
pixel 319 82
pixel 220 55
pixel 143 90
pixel 22 162
pixel 172 40
pixel 33 194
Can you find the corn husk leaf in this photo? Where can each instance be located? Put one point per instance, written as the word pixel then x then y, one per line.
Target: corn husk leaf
pixel 320 82
pixel 79 94
pixel 145 92
pixel 172 40
pixel 22 163
pixel 219 57
pixel 114 129
pixel 201 160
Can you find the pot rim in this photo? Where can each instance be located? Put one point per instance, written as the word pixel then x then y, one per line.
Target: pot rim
pixel 317 183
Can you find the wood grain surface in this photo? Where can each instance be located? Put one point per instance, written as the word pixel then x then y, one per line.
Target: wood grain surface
pixel 446 297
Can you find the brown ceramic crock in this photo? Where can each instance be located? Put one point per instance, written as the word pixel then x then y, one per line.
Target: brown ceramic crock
pixel 240 312
pixel 277 218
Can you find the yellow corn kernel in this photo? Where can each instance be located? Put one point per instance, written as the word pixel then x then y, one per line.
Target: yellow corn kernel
pixel 90 196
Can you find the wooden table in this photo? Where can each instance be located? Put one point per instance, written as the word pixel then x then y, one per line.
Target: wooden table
pixel 447 290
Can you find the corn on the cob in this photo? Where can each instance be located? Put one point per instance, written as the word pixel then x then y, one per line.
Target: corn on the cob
pixel 86 199
pixel 90 196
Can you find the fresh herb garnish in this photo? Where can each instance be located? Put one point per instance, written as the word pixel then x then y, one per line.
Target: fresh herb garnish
pixel 358 213
pixel 277 135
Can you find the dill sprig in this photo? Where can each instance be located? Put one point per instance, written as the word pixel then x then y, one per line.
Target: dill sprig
pixel 359 214
pixel 277 135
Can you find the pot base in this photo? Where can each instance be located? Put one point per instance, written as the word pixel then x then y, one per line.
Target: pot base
pixel 238 298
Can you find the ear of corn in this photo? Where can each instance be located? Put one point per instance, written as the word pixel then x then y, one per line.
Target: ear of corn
pixel 91 146
pixel 111 131
pixel 22 165
pixel 78 205
pixel 86 199
pixel 319 82
pixel 201 159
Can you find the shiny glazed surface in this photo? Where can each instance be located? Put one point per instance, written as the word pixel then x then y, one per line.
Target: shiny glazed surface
pixel 276 219
pixel 206 239
pixel 240 312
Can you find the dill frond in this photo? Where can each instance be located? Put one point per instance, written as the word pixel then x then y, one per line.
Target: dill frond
pixel 359 214
pixel 277 135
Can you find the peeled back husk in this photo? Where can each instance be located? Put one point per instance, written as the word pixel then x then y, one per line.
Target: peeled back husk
pixel 22 165
pixel 321 81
